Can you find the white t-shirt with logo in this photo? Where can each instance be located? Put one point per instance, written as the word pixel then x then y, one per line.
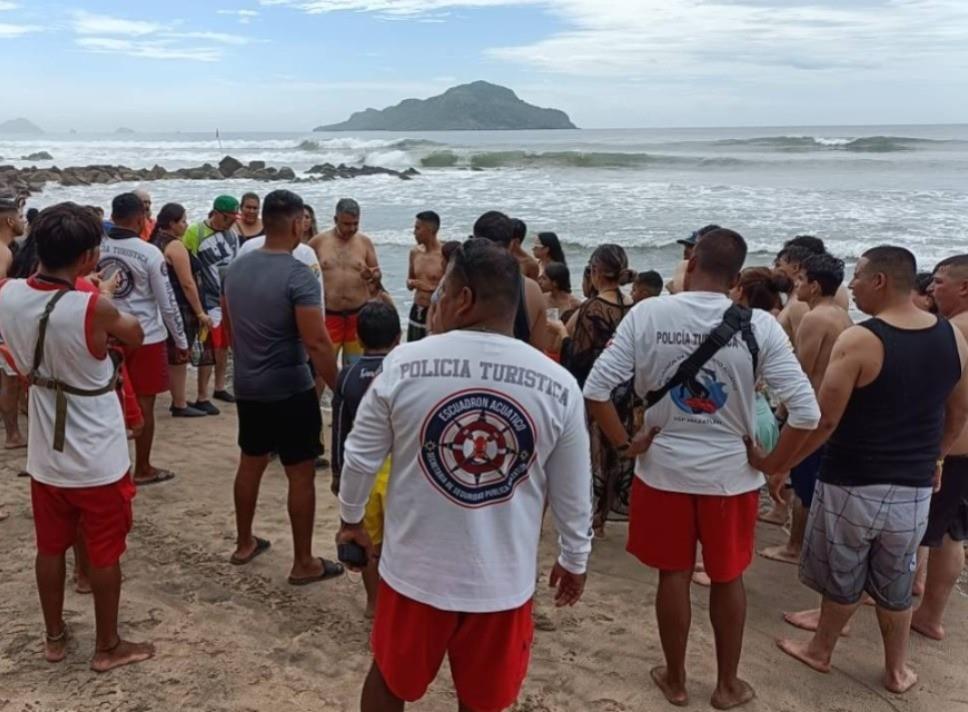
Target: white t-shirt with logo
pixel 144 289
pixel 483 430
pixel 303 253
pixel 700 449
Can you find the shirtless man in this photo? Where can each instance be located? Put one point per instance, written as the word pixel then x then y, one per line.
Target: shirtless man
pixel 948 517
pixel 788 263
pixel 12 226
pixel 888 423
pixel 676 284
pixel 426 271
pixel 529 265
pixel 347 259
pixel 819 279
pixel 531 319
pixel 249 223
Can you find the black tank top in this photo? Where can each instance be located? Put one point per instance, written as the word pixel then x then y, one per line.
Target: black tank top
pixel 891 430
pixel 522 324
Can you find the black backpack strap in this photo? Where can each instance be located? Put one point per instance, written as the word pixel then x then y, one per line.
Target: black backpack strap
pixel 736 320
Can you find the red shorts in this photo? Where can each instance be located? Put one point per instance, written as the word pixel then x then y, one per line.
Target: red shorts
pixel 148 369
pixel 664 528
pixel 219 337
pixel 101 514
pixel 489 652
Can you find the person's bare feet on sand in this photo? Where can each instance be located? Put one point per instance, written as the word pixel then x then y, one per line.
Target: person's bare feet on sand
pixel 675 695
pixel 124 652
pixel 777 516
pixel 801 651
pixel 700 577
pixel 809 620
pixel 81 584
pixel 781 553
pixel 928 630
pixel 901 682
pixel 15 443
pixel 732 697
pixel 55 646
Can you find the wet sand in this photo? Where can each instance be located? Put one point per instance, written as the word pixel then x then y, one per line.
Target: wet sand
pixel 242 639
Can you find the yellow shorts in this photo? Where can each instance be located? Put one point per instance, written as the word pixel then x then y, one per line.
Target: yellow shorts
pixel 373 515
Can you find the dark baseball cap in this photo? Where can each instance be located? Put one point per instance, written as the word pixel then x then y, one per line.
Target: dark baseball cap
pixel 694 237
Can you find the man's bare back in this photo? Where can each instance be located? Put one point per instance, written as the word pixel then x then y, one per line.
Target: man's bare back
pixel 6 260
pixel 815 338
pixel 426 271
pixel 347 266
pixel 794 311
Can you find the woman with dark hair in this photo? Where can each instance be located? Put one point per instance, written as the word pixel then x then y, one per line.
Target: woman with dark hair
pixel 183 271
pixel 547 249
pixel 923 298
pixel 590 330
pixel 759 288
pixel 310 230
pixel 249 224
pixel 555 282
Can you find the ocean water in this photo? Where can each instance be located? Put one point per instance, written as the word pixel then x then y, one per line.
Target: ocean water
pixel 855 186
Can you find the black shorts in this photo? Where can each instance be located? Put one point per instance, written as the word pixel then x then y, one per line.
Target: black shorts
pixel 949 506
pixel 291 427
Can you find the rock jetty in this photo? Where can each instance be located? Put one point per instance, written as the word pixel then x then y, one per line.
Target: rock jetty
pixel 25 181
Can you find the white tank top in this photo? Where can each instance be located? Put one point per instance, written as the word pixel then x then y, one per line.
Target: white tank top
pixel 95 445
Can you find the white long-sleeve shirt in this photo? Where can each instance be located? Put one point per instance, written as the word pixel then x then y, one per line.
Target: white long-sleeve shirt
pixel 700 448
pixel 482 429
pixel 144 289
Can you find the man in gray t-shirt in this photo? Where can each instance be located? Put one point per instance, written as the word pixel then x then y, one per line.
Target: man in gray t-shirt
pixel 271 311
pixel 263 289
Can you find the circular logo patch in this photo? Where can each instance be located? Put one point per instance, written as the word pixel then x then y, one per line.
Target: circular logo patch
pixel 109 266
pixel 477 446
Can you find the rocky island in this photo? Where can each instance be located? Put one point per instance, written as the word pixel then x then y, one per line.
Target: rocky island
pixel 477 106
pixel 20 126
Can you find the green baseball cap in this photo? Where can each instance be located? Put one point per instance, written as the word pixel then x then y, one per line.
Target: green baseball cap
pixel 226 204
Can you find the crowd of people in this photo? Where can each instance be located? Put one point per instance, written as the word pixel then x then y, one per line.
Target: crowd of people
pixel 511 397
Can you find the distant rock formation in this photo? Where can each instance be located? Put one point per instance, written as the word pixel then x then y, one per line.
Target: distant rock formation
pixel 468 107
pixel 124 131
pixel 25 181
pixel 20 126
pixel 38 156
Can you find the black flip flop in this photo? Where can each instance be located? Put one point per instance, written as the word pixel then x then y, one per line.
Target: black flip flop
pixel 261 546
pixel 330 570
pixel 160 476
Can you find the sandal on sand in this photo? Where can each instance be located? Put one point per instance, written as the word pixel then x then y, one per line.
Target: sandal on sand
pixel 261 546
pixel 159 476
pixel 330 570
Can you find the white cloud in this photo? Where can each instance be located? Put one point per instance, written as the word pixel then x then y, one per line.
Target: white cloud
pixel 244 16
pixel 669 39
pixel 5 6
pixel 86 23
pixel 389 7
pixel 9 31
pixel 219 37
pixel 143 39
pixel 148 49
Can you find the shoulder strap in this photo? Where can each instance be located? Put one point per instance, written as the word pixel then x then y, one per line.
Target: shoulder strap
pixel 61 389
pixel 736 319
pixel 42 330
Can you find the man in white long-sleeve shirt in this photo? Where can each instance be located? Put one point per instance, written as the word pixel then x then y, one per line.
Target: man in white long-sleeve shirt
pixel 144 291
pixel 693 480
pixel 483 429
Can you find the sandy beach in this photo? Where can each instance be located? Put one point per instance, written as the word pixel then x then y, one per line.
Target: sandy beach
pixel 242 639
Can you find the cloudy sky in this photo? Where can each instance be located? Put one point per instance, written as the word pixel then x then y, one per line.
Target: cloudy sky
pixel 293 64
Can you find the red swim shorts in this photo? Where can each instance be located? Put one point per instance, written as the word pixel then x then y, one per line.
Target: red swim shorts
pixel 664 528
pixel 148 368
pixel 219 337
pixel 489 652
pixel 101 514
